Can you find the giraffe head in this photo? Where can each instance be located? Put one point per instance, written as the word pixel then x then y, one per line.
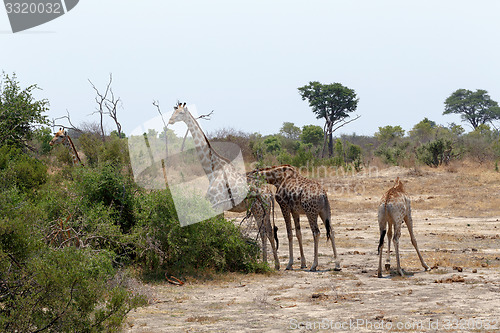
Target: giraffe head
pixel 59 137
pixel 180 114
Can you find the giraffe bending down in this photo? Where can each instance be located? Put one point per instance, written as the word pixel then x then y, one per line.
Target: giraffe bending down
pixel 299 195
pixel 395 208
pixel 229 189
pixel 62 136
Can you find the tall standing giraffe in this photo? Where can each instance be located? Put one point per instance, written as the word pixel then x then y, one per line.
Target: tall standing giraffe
pixel 394 209
pixel 230 190
pixel 62 136
pixel 299 195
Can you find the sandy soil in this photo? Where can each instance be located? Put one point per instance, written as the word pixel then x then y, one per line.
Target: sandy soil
pixel 456 212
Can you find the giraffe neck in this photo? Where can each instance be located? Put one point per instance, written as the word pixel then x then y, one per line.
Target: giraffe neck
pixel 208 157
pixel 277 175
pixel 72 150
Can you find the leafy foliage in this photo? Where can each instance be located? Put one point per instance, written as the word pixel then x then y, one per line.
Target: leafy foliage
pixel 475 107
pixel 215 244
pixel 290 131
pixel 19 112
pixel 312 134
pixel 389 134
pixel 435 152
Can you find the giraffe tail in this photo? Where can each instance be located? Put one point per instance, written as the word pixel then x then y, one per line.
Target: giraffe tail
pixel 381 241
pixel 328 218
pixel 382 221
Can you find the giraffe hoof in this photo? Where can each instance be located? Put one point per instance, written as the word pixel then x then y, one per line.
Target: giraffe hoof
pixel 379 275
pixel 337 269
pixel 312 269
pixel 289 268
pixel 387 267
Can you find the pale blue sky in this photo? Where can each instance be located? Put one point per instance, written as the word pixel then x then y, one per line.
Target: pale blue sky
pixel 245 59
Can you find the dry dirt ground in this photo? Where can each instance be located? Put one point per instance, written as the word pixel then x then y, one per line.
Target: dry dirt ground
pixel 456 213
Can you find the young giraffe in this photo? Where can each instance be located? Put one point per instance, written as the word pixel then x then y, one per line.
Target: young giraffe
pixel 299 195
pixel 229 190
pixel 395 208
pixel 62 136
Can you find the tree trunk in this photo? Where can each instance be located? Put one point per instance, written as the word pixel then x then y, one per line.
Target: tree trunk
pixel 330 143
pixel 325 131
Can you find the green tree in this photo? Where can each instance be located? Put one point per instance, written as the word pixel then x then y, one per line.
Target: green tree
pixel 389 133
pixel 272 144
pixel 311 134
pixel 333 102
pixel 423 130
pixel 290 131
pixel 20 113
pixel 477 107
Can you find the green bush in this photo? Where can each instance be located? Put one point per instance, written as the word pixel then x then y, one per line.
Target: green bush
pixel 393 154
pixel 215 244
pixel 113 150
pixel 20 170
pixel 107 186
pixel 435 152
pixel 55 290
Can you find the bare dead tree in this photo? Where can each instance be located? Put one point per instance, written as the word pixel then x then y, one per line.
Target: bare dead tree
pixel 68 118
pixel 107 104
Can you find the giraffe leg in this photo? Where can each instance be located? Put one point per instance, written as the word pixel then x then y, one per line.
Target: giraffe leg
pixel 263 236
pixel 382 223
pixel 397 234
pixel 313 223
pixel 298 234
pixel 389 237
pixel 270 236
pixel 409 224
pixel 326 218
pixel 289 232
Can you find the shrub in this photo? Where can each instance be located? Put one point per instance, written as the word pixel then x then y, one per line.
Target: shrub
pixel 435 152
pixel 107 186
pixel 20 170
pixel 215 244
pixel 393 154
pixel 65 290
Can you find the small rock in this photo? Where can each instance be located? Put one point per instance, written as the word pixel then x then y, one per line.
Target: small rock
pixel 474 270
pixel 484 264
pixel 458 268
pixel 364 271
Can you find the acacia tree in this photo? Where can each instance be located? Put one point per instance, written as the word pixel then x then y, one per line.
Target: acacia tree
pixel 333 102
pixel 20 113
pixel 477 107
